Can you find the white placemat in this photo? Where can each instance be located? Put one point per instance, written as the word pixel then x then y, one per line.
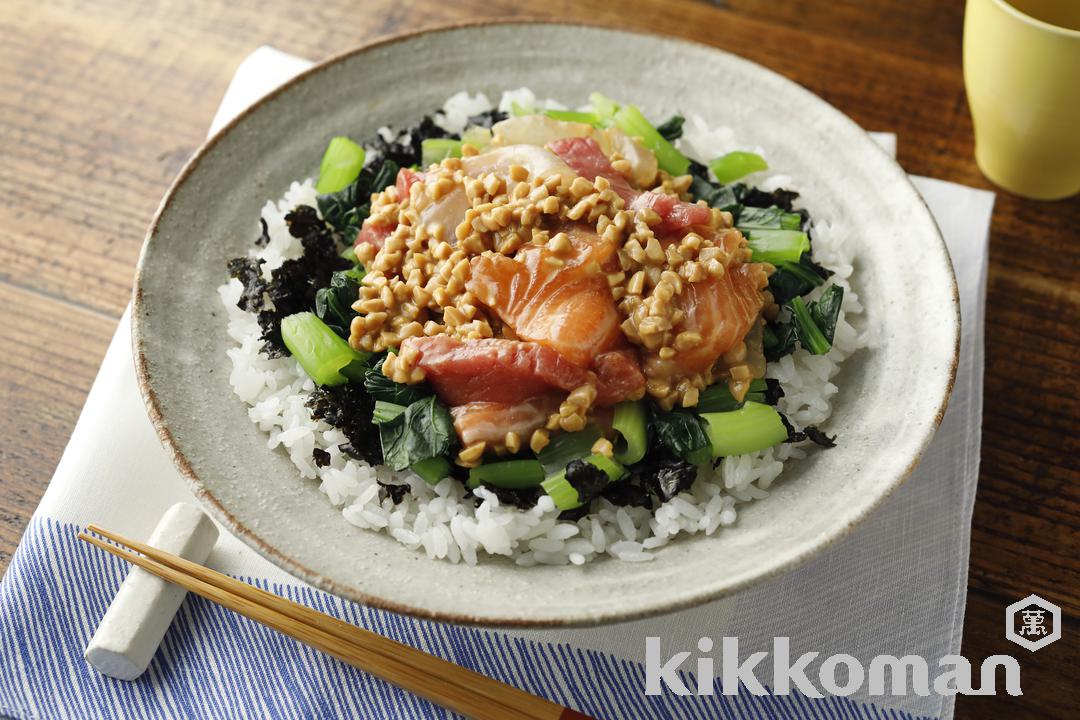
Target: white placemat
pixel 894 586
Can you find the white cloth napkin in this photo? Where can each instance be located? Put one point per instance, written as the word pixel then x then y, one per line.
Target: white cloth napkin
pixel 894 586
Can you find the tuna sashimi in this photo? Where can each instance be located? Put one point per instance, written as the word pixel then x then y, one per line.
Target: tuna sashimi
pixel 722 310
pixel 675 215
pixel 490 422
pixel 588 160
pixel 374 233
pixel 619 377
pixel 493 370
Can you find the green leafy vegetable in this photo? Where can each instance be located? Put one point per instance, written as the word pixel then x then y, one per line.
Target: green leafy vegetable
pixel 347 209
pixel 565 447
pixel 723 197
pixel 582 480
pixel 735 165
pixel 792 280
pixel 682 434
pixel 435 150
pixel 752 427
pixel 513 474
pixel 604 107
pixel 778 340
pixel 324 355
pixel 806 330
pixel 777 246
pixel 431 470
pixel 341 163
pixel 630 424
pixel 425 430
pixel 630 120
pixel 768 218
pixel 386 412
pixel 671 128
pixel 826 310
pixel 718 397
pixel 333 304
pixel 383 388
pixel 517 109
pixel 589 118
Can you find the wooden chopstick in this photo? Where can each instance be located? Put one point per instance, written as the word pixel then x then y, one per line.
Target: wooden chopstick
pixel 452 686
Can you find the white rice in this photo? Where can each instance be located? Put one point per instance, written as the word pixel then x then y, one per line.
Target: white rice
pixel 438 520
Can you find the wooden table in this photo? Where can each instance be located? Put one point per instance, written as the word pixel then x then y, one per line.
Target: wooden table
pixel 102 101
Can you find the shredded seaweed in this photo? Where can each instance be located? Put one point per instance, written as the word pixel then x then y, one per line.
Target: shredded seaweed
pixel 264 234
pixel 487 119
pixel 320 457
pixel 248 271
pixel 587 479
pixel 349 409
pixel 395 491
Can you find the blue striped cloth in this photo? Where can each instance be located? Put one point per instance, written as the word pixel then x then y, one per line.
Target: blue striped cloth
pixel 214 663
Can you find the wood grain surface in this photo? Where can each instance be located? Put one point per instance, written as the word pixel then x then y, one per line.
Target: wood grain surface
pixel 101 102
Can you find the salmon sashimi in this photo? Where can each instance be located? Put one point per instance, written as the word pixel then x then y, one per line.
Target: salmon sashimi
pixel 493 370
pixel 567 309
pixel 489 422
pixel 586 157
pixel 722 310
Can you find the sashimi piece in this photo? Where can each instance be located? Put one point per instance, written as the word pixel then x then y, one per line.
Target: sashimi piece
pixel 406 178
pixel 722 310
pixel 619 377
pixel 493 370
pixel 542 130
pixel 675 215
pixel 538 161
pixel 589 161
pixel 536 130
pixel 374 233
pixel 566 309
pixel 585 156
pixel 490 422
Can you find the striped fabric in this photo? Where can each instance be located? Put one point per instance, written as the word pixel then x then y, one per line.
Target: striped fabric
pixel 217 664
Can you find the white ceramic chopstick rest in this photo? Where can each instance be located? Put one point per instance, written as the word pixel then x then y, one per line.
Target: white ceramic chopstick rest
pixel 143 608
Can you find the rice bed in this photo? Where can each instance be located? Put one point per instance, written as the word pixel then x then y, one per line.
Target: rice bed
pixel 440 520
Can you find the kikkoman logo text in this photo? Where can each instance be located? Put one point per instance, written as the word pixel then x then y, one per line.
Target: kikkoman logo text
pixel 836 674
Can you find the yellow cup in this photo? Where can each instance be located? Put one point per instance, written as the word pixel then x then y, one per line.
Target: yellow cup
pixel 1022 74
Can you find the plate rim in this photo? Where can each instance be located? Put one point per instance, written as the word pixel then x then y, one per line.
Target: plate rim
pixel 349 592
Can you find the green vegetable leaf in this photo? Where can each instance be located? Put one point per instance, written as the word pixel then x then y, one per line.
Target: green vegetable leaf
pixel 425 430
pixel 347 209
pixel 340 165
pixel 792 280
pixel 779 340
pixel 589 118
pixel 333 304
pixel 735 165
pixel 435 150
pixel 723 197
pixel 383 388
pixel 683 434
pixel 770 217
pixel 826 310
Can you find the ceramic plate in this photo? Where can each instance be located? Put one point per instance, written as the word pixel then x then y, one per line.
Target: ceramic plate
pixel 892 394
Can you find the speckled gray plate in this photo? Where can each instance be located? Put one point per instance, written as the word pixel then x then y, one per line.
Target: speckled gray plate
pixel 892 394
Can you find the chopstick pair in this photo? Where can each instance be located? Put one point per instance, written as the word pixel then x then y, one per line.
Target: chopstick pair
pixel 440 681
